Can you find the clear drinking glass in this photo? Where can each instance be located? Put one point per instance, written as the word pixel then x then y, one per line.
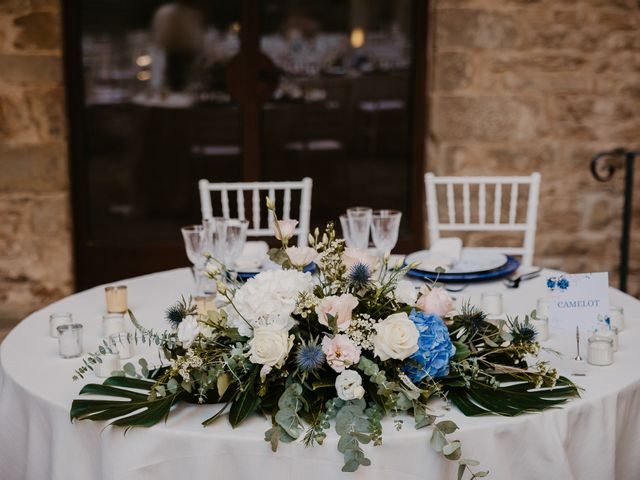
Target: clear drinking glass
pixel 57 319
pixel 70 340
pixel 346 231
pixel 195 245
pixel 234 237
pixel 385 225
pixel 359 225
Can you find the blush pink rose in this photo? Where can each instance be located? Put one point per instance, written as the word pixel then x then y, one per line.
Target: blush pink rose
pixel 436 301
pixel 340 352
pixel 340 307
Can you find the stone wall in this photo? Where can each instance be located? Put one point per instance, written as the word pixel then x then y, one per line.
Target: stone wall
pixel 514 86
pixel 35 233
pixel 541 85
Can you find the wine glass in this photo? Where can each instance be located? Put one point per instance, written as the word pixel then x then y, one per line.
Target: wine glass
pixel 346 231
pixel 215 233
pixel 359 226
pixel 385 225
pixel 234 236
pixel 195 245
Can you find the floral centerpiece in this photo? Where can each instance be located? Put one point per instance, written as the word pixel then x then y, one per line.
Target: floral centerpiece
pixel 346 347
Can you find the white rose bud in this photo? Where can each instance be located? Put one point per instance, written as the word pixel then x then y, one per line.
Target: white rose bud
pixel 349 385
pixel 396 337
pixel 188 330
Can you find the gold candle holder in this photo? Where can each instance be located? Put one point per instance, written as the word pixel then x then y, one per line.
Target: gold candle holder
pixel 205 304
pixel 116 298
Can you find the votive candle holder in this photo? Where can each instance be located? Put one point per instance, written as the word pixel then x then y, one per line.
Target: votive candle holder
pixel 116 297
pixel 70 340
pixel 57 319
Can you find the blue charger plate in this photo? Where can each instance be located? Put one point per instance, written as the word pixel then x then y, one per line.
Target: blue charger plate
pixel 506 269
pixel 244 276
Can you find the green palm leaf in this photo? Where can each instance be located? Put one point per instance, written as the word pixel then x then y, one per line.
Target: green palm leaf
pixel 510 400
pixel 130 406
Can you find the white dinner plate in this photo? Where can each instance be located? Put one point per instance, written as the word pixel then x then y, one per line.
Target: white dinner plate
pixel 472 260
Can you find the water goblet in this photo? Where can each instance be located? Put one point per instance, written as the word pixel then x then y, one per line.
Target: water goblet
pixel 346 231
pixel 385 225
pixel 235 236
pixel 359 226
pixel 195 243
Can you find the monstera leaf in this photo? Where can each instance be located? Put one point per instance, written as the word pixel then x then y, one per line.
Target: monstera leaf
pixel 510 400
pixel 130 405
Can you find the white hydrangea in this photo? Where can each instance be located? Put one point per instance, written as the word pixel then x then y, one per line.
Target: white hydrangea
pixel 268 299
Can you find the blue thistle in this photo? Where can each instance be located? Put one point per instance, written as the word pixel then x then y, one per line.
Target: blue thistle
pixel 179 311
pixel 359 275
pixel 522 332
pixel 309 357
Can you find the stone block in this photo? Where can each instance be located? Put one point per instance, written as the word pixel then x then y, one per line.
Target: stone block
pixel 476 29
pixel 47 112
pixel 492 118
pixel 35 168
pixel 454 71
pixel 30 69
pixel 37 31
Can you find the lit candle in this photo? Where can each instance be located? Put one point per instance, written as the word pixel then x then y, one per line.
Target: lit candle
pixel 600 350
pixel 112 323
pixel 121 344
pixel 57 319
pixel 541 324
pixel 616 315
pixel 492 303
pixel 116 299
pixel 110 363
pixel 70 340
pixel 205 304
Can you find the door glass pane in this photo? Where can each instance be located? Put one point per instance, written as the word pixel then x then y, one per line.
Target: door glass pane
pixel 340 109
pixel 158 113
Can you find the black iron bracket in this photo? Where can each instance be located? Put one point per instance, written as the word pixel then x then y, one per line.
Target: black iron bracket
pixel 603 168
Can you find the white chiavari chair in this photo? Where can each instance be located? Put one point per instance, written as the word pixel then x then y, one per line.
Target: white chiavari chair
pixel 484 221
pixel 258 192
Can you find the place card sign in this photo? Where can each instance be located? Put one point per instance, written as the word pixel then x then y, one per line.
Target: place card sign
pixel 580 299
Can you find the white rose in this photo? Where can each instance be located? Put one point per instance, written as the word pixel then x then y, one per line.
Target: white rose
pixel 396 337
pixel 349 385
pixel 301 256
pixel 405 292
pixel 188 330
pixel 284 229
pixel 269 348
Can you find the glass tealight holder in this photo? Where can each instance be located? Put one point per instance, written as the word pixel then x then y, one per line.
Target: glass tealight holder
pixel 116 297
pixel 492 303
pixel 541 324
pixel 121 344
pixel 57 319
pixel 70 340
pixel 110 362
pixel 205 304
pixel 600 350
pixel 542 308
pixel 112 323
pixel 616 315
pixel 611 333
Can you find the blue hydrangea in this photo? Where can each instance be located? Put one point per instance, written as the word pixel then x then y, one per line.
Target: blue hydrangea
pixel 434 348
pixel 551 283
pixel 563 283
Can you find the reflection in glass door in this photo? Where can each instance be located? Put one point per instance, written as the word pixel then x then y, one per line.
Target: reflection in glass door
pixel 341 110
pixel 162 93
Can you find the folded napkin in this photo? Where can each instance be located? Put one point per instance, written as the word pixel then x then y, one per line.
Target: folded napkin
pixel 254 256
pixel 443 253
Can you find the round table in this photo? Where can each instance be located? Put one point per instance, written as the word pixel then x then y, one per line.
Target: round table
pixel 594 437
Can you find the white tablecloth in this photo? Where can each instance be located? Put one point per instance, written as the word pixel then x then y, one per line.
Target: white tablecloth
pixel 594 437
